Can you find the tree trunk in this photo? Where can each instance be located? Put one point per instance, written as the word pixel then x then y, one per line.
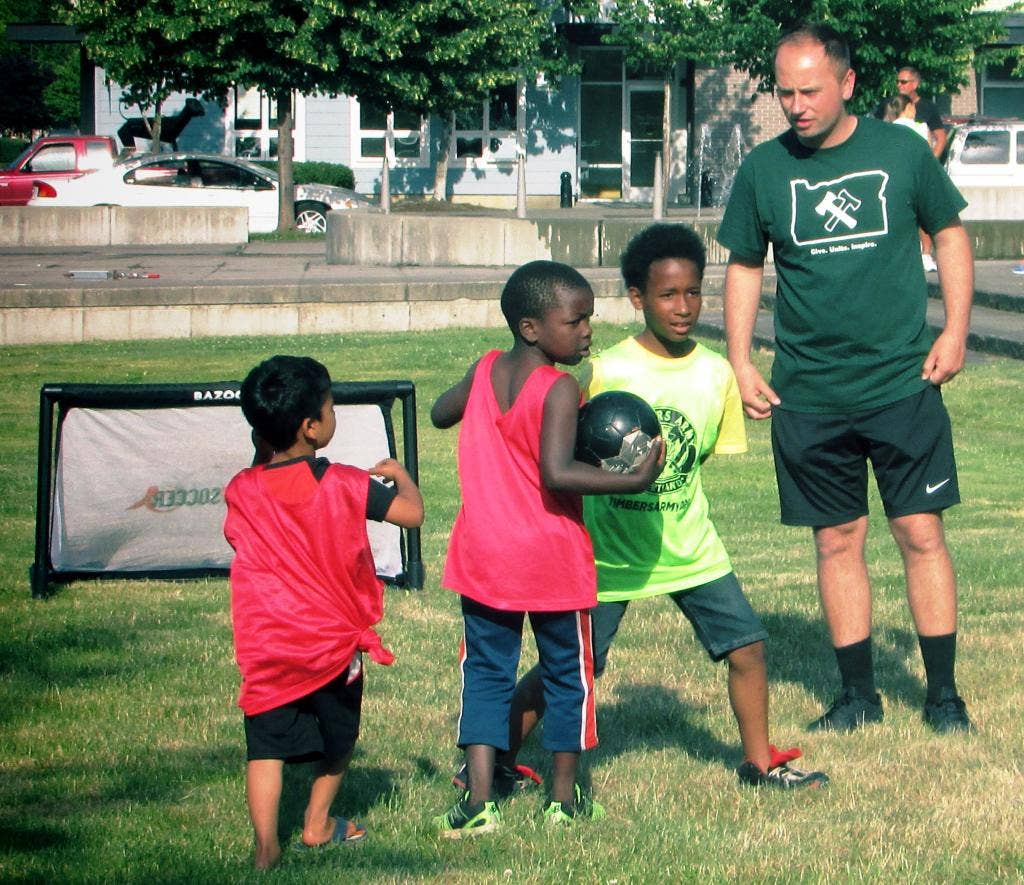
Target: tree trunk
pixel 285 156
pixel 156 126
pixel 444 151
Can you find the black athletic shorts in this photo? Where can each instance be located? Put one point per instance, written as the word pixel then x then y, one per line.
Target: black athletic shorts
pixel 821 461
pixel 322 725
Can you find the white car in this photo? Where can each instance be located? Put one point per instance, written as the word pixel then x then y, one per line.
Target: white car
pixel 191 179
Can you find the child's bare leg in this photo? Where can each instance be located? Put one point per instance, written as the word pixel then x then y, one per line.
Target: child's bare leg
pixel 748 695
pixel 263 779
pixel 563 776
pixel 318 825
pixel 480 762
pixel 527 710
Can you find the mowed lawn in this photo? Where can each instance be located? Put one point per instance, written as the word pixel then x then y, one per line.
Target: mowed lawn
pixel 121 748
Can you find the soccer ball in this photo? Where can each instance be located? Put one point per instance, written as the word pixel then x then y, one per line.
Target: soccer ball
pixel 615 430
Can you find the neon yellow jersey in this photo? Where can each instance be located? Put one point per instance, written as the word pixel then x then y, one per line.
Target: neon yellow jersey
pixel 662 539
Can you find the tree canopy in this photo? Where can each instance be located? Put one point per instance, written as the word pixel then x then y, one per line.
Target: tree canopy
pixel 939 38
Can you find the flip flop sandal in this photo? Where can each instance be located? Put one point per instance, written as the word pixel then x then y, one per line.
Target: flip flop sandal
pixel 341 836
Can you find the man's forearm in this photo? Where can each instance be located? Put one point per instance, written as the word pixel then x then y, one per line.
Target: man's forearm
pixel 742 300
pixel 956 277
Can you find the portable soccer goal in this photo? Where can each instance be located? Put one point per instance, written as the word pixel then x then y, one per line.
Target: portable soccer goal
pixel 131 478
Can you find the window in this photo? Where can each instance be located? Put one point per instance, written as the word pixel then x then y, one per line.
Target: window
pixel 488 132
pixel 198 174
pixel 53 158
pixel 408 131
pixel 986 146
pixel 255 123
pixel 97 155
pixel 1002 94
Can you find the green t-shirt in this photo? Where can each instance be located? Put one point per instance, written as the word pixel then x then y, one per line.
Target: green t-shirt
pixel 662 539
pixel 850 326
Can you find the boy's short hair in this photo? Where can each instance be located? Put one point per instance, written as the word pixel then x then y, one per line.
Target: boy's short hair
pixel 280 393
pixel 655 243
pixel 532 290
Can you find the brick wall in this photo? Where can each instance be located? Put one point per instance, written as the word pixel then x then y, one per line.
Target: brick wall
pixel 725 97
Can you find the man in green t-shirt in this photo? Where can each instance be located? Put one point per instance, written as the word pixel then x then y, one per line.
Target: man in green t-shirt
pixel 857 370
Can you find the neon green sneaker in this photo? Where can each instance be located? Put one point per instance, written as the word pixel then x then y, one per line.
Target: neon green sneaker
pixel 463 819
pixel 556 814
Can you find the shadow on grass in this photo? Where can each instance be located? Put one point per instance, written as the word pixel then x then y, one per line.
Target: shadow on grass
pixel 800 651
pixel 361 789
pixel 651 717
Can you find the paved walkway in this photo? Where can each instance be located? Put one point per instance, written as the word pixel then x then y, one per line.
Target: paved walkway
pixel 280 269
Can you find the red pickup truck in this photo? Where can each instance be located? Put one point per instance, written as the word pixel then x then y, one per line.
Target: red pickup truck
pixel 53 158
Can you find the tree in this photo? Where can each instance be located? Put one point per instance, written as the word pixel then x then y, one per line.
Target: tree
pixel 22 107
pixel 659 34
pixel 41 81
pixel 151 48
pixel 453 54
pixel 307 46
pixel 941 39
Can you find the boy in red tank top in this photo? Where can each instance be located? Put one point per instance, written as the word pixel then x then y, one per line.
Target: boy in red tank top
pixel 519 545
pixel 304 594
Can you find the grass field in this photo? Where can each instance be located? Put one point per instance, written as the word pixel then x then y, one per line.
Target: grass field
pixel 121 749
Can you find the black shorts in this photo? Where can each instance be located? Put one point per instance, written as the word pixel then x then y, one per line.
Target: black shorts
pixel 322 725
pixel 821 461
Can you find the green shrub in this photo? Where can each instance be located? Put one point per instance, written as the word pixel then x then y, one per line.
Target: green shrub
pixel 11 147
pixel 335 174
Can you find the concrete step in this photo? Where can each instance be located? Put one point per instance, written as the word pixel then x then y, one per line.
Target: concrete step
pixel 993 332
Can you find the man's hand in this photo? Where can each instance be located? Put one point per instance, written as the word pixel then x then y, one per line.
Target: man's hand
pixel 944 360
pixel 758 398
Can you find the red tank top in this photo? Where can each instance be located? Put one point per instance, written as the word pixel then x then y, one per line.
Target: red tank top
pixel 515 545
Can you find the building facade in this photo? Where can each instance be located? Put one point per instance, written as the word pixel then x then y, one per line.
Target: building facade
pixel 602 128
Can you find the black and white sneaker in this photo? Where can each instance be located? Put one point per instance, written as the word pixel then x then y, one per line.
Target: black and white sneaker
pixel 508 781
pixel 781 777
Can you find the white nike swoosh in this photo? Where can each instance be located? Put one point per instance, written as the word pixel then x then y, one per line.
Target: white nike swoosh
pixel 931 489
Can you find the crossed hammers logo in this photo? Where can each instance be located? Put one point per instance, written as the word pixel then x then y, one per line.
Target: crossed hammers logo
pixel 838 208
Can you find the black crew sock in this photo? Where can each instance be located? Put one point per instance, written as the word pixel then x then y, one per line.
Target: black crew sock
pixel 856 667
pixel 939 656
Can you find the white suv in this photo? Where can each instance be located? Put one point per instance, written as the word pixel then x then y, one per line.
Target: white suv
pixel 986 162
pixel 990 153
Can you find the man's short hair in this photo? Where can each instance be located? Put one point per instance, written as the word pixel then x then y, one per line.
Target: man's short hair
pixel 532 290
pixel 280 393
pixel 655 243
pixel 914 72
pixel 834 44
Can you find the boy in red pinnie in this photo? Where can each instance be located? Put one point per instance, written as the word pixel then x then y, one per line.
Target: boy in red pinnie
pixel 519 546
pixel 304 594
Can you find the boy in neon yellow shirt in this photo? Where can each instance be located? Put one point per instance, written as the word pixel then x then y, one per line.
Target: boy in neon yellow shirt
pixel 661 541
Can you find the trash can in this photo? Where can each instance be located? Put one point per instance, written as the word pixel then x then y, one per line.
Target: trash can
pixel 565 191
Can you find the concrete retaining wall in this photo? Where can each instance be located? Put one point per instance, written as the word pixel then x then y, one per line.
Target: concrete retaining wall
pixel 356 238
pixel 30 226
pixel 993 203
pixel 55 316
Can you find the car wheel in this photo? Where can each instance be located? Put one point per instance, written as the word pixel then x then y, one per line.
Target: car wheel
pixel 311 217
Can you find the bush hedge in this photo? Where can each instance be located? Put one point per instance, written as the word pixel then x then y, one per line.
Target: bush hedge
pixel 10 148
pixel 335 174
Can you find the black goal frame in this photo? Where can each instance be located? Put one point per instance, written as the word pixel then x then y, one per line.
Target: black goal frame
pixel 55 400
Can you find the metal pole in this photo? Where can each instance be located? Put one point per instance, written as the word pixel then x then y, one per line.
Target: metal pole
pixel 385 187
pixel 659 189
pixel 521 186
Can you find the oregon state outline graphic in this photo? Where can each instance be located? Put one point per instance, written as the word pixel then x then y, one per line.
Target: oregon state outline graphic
pixel 852 207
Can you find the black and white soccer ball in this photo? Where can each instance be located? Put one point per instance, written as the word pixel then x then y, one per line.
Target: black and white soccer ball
pixel 615 430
